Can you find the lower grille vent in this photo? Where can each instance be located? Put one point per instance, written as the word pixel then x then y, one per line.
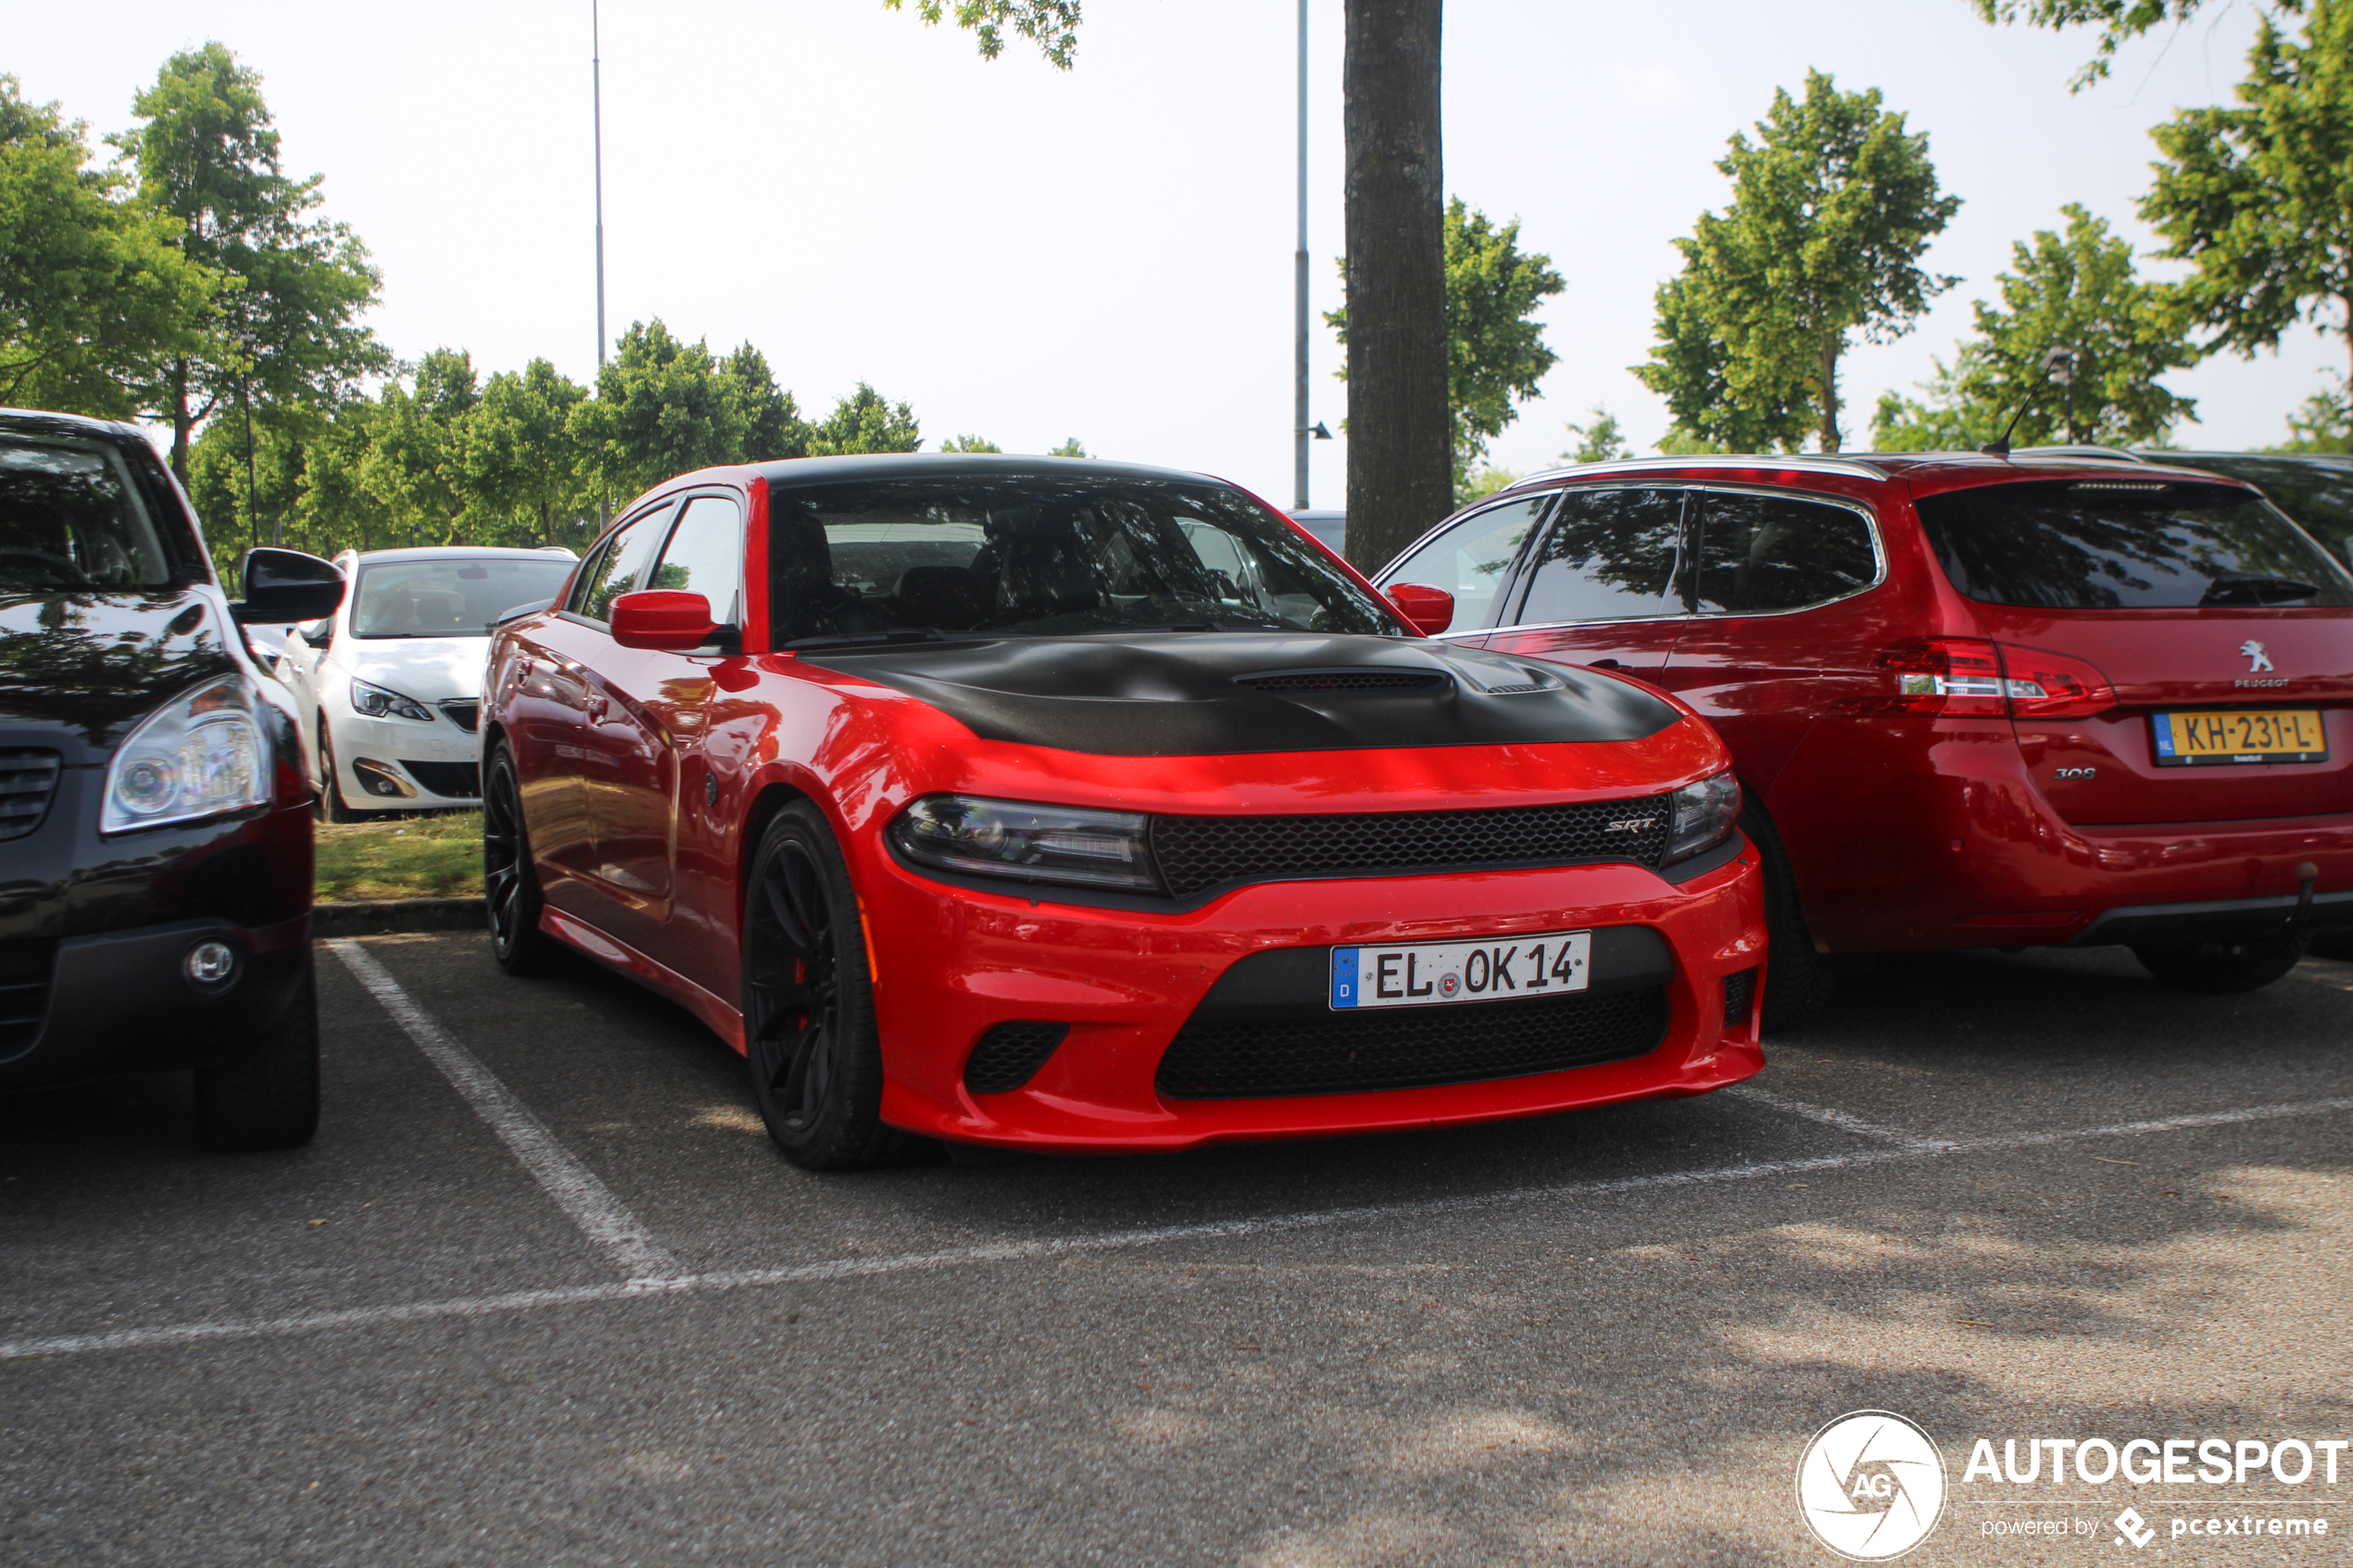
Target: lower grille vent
pixel 24 992
pixel 459 780
pixel 1010 1056
pixel 1740 991
pixel 28 781
pixel 463 713
pixel 1410 1048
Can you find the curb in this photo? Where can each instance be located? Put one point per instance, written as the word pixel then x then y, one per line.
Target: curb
pixel 389 916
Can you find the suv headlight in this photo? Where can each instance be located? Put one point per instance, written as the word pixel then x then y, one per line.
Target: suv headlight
pixel 1706 814
pixel 377 702
pixel 1007 838
pixel 202 754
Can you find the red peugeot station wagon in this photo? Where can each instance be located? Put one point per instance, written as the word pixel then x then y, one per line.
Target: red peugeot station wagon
pixel 1072 805
pixel 1973 702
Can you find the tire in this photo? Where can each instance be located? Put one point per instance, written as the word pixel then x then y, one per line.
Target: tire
pixel 2224 966
pixel 266 1096
pixel 330 805
pixel 809 1040
pixel 1798 981
pixel 510 882
pixel 2336 942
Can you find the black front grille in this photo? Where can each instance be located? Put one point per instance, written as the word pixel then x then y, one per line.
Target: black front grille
pixel 1344 681
pixel 465 715
pixel 457 780
pixel 27 783
pixel 1195 853
pixel 1010 1056
pixel 1410 1048
pixel 24 992
pixel 1740 990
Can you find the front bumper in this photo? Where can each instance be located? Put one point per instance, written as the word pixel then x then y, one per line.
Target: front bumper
pixel 1124 982
pixel 438 765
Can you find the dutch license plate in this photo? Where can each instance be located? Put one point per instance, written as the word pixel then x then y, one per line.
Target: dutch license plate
pixel 1422 974
pixel 2278 734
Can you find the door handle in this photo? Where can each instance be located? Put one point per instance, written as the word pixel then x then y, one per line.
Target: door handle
pixel 1603 664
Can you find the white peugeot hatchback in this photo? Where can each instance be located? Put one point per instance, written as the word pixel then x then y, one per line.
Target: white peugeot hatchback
pixel 388 687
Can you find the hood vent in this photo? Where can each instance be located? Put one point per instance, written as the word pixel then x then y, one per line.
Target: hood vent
pixel 1281 681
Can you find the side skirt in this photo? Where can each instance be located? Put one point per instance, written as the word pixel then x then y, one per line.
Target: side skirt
pixel 722 1019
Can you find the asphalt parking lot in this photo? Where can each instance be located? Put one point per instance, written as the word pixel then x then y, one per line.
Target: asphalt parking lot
pixel 541 1292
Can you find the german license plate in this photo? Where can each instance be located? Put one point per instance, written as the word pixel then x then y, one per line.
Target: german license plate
pixel 1422 974
pixel 2276 734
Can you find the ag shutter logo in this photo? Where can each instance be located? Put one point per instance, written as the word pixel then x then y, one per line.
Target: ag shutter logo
pixel 2132 1527
pixel 1871 1486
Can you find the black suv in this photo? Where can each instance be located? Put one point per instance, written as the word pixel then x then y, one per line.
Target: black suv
pixel 155 816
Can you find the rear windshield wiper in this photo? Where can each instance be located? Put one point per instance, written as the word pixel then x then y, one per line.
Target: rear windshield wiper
pixel 2253 588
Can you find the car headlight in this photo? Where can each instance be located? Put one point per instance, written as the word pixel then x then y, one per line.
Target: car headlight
pixel 376 702
pixel 1706 814
pixel 1007 838
pixel 202 754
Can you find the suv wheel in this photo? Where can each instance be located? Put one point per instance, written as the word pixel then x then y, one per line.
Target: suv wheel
pixel 2222 967
pixel 1798 980
pixel 267 1094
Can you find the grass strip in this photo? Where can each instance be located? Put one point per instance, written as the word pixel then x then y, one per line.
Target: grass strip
pixel 431 854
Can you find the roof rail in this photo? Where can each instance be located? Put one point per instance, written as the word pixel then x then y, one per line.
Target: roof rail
pixel 2081 449
pixel 1847 466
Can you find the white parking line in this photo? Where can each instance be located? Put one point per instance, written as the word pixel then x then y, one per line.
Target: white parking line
pixel 1056 1247
pixel 604 1219
pixel 1833 1118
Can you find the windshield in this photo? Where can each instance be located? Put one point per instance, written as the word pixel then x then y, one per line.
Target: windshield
pixel 454 597
pixel 1029 555
pixel 72 518
pixel 2128 545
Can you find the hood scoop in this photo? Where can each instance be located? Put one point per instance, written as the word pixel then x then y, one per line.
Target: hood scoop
pixel 1284 683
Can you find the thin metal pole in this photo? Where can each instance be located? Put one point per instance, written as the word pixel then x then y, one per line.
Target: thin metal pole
pixel 253 520
pixel 597 114
pixel 1299 287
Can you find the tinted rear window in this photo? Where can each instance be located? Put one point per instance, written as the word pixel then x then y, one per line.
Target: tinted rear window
pixel 2316 492
pixel 2127 544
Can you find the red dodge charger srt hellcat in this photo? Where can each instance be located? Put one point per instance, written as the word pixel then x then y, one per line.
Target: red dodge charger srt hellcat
pixel 1070 805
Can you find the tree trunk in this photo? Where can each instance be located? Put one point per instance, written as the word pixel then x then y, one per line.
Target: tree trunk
pixel 183 425
pixel 1831 346
pixel 1401 458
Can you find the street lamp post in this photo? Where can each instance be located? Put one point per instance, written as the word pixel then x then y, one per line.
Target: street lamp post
pixel 1299 435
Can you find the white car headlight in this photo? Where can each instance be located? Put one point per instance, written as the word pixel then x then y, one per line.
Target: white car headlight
pixel 378 702
pixel 202 754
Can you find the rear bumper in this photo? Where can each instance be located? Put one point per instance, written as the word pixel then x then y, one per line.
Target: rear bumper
pixel 2213 917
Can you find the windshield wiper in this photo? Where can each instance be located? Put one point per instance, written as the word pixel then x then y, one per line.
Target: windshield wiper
pixel 2247 587
pixel 881 639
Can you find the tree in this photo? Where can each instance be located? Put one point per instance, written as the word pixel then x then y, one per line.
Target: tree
pixel 1069 448
pixel 2076 292
pixel 1495 351
pixel 93 293
pixel 1833 207
pixel 2119 21
pixel 664 407
pixel 206 154
pixel 411 467
pixel 1400 450
pixel 1599 440
pixel 2323 424
pixel 2260 199
pixel 969 444
pixel 866 421
pixel 517 456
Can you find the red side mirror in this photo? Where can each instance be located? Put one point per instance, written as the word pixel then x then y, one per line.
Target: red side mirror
pixel 662 617
pixel 1429 610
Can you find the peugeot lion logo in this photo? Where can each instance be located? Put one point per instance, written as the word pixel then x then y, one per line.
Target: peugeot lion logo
pixel 2257 660
pixel 1871 1486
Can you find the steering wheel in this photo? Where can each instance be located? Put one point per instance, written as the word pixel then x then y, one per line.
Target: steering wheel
pixel 48 557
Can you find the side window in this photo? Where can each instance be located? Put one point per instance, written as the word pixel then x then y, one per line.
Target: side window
pixel 706 556
pixel 1764 553
pixel 613 570
pixel 1610 554
pixel 1469 560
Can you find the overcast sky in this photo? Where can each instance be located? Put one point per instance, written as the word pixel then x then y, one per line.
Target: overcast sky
pixel 1106 253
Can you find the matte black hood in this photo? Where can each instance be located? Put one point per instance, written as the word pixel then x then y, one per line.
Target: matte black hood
pixel 77 671
pixel 1212 692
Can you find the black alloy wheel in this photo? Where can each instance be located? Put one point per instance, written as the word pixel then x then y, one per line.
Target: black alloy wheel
pixel 330 807
pixel 510 884
pixel 2222 967
pixel 809 1007
pixel 1798 981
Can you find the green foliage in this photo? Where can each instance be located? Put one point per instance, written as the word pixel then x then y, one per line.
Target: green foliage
pixel 969 444
pixel 1483 483
pixel 1495 351
pixel 1833 207
pixel 866 421
pixel 2323 424
pixel 411 468
pixel 1599 439
pixel 2118 21
pixel 519 458
pixel 664 407
pixel 1682 444
pixel 206 154
pixel 1053 25
pixel 94 292
pixel 2076 290
pixel 1070 448
pixel 2260 199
